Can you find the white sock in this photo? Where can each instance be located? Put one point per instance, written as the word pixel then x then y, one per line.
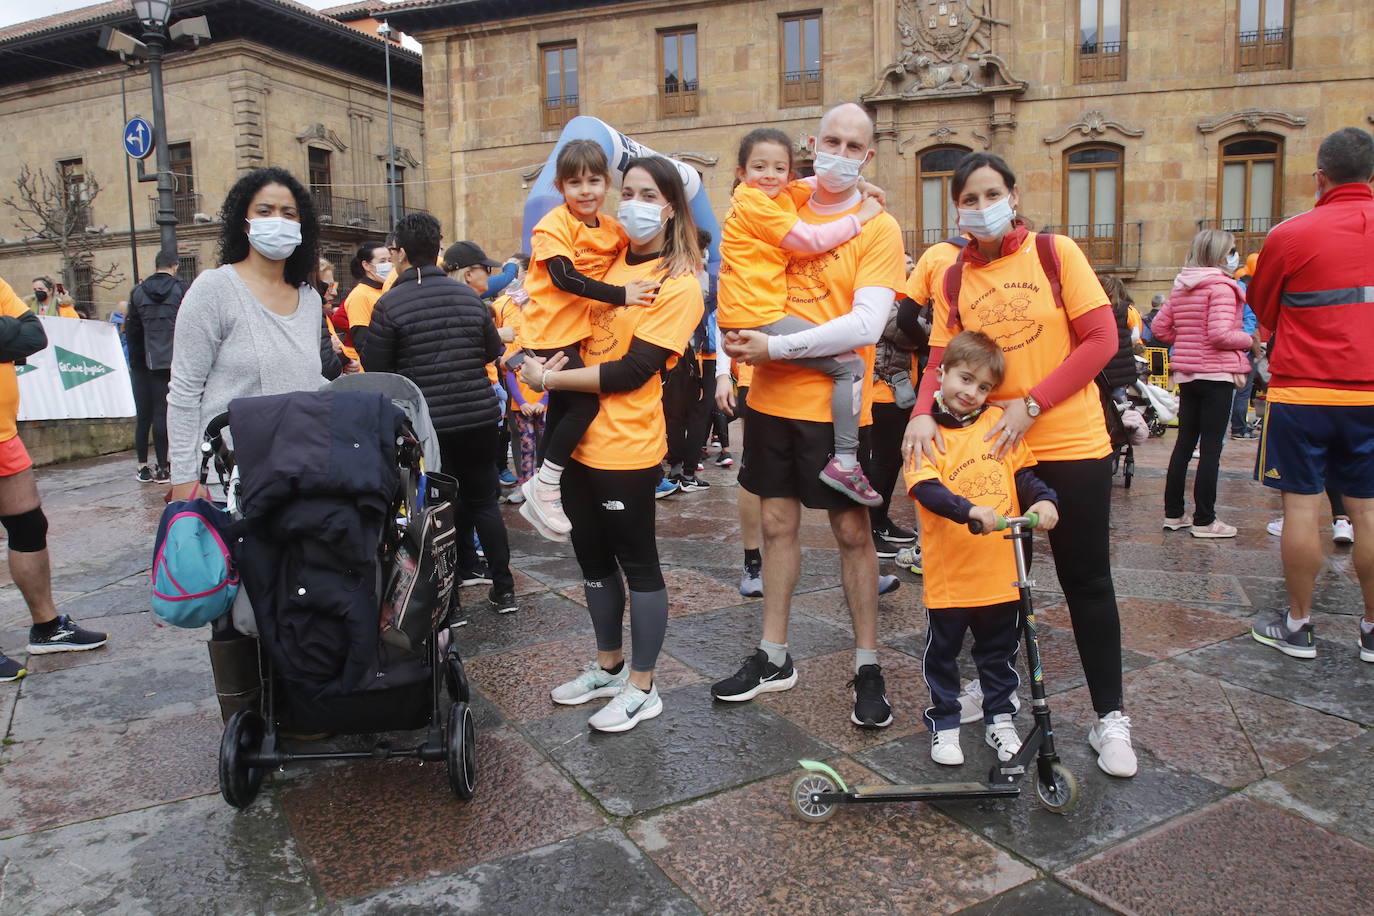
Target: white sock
pixel 1296 625
pixel 1366 626
pixel 550 473
pixel 864 657
pixel 777 652
pixel 848 460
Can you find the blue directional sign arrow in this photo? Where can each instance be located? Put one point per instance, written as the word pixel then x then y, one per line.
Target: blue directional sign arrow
pixel 138 138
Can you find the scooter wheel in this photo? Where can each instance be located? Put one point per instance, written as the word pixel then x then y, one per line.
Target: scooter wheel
pixel 462 752
pixel 239 782
pixel 803 788
pixel 1061 796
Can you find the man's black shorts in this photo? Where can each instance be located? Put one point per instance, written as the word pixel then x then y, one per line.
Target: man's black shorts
pixel 783 458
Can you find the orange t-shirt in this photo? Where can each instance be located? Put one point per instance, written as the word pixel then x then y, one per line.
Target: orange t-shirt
pixel 963 569
pixel 554 317
pixel 509 315
pixel 11 306
pixel 821 287
pixel 929 271
pixel 752 291
pixel 744 374
pixel 1010 301
pixel 358 306
pixel 629 432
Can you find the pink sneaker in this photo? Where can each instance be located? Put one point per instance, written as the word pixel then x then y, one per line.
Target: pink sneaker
pixel 545 503
pixel 851 482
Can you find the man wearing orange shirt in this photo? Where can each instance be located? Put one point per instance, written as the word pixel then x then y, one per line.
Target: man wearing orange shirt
pixel 848 293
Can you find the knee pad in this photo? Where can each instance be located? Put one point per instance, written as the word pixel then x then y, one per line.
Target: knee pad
pixel 28 531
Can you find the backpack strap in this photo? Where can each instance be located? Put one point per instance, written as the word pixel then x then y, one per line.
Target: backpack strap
pixel 953 281
pixel 1049 263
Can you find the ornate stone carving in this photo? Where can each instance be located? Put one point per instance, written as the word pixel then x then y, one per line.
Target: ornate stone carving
pixel 321 134
pixel 403 157
pixel 943 133
pixel 694 158
pixel 981 139
pixel 946 50
pixel 1252 118
pixel 1094 124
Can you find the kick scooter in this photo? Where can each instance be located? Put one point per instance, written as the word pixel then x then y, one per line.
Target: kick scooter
pixel 819 790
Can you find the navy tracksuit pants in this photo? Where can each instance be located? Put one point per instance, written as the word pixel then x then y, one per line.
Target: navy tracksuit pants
pixel 996 636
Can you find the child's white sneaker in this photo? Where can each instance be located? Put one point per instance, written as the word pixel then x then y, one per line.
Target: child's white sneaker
pixel 1002 737
pixel 971 703
pixel 944 748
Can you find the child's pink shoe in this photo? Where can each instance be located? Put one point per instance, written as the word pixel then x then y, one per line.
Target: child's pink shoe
pixel 851 482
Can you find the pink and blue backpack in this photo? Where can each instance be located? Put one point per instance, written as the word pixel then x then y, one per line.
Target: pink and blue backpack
pixel 194 577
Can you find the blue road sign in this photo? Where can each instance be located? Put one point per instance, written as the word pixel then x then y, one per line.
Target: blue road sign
pixel 138 138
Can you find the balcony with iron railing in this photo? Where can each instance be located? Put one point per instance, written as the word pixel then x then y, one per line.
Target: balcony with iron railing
pixel 1249 232
pixel 384 213
pixel 917 241
pixel 1108 246
pixel 678 98
pixel 559 110
pixel 801 87
pixel 1101 61
pixel 1265 49
pixel 185 206
pixel 336 210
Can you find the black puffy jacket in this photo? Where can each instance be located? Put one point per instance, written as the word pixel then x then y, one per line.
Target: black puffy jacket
pixel 1120 370
pixel 152 320
pixel 437 333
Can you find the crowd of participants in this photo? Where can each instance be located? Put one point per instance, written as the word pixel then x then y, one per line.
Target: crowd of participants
pixel 588 378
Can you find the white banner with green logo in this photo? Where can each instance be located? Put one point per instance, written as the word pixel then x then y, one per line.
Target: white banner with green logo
pixel 81 373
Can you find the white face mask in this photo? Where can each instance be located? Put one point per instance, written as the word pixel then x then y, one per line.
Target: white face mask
pixel 274 237
pixel 1232 262
pixel 991 222
pixel 641 219
pixel 837 174
pixel 383 269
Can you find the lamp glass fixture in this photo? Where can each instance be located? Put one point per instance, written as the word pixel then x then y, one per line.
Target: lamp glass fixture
pixel 153 13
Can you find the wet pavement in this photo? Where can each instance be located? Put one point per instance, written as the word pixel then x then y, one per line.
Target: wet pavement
pixel 1254 792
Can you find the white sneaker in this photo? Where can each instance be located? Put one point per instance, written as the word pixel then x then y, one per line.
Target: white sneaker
pixel 1111 738
pixel 971 703
pixel 593 682
pixel 944 748
pixel 1175 524
pixel 1342 532
pixel 1275 527
pixel 1001 736
pixel 546 502
pixel 627 709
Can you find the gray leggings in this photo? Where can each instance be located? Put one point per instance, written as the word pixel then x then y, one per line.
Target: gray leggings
pixel 846 373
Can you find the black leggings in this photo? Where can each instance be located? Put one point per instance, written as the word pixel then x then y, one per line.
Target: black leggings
pixel 150 401
pixel 882 460
pixel 1081 545
pixel 568 416
pixel 1204 408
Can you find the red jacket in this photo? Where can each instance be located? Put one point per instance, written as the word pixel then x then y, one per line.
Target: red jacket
pixel 1202 321
pixel 1314 287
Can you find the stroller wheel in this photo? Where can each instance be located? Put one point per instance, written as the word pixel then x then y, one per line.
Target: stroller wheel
pixel 239 782
pixel 462 752
pixel 1129 471
pixel 456 677
pixel 805 785
pixel 1061 795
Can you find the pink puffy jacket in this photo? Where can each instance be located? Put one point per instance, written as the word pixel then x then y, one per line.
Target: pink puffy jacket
pixel 1202 319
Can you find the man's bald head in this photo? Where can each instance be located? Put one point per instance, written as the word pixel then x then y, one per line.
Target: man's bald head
pixel 848 116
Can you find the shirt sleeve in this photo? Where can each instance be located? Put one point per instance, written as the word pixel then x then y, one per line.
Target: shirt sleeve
pixel 674 314
pixel 760 217
pixel 860 327
pixel 551 237
pixel 1083 292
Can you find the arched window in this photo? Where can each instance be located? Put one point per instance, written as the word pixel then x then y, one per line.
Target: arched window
pixel 934 169
pixel 1251 198
pixel 1092 201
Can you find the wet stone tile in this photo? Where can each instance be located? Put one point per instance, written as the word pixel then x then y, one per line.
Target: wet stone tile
pixel 1335 682
pixel 575 870
pixel 1177 586
pixel 1335 789
pixel 90 573
pixel 131 636
pixel 1333 594
pixel 169 683
pixel 369 826
pixel 109 601
pixel 865 859
pixel 1183 553
pixel 689 592
pixel 715 643
pixel 519 682
pixel 195 856
pixel 541 617
pixel 1044 897
pixel 1108 809
pixel 1176 869
pixel 697 746
pixel 14 614
pixel 900 613
pixel 1162 628
pixel 97 772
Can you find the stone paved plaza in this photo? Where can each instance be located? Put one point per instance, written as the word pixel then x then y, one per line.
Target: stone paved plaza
pixel 1254 792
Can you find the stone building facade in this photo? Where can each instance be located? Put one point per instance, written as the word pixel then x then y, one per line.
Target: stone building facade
pixel 1130 124
pixel 277 84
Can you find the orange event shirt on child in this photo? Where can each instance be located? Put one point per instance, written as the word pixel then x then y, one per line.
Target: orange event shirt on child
pixel 963 569
pixel 752 290
pixel 819 288
pixel 554 317
pixel 510 316
pixel 1010 300
pixel 628 433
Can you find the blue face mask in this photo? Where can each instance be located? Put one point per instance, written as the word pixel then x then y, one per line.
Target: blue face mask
pixel 274 237
pixel 641 219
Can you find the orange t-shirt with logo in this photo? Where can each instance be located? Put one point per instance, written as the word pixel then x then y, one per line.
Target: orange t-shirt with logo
pixel 821 287
pixel 11 306
pixel 929 271
pixel 555 317
pixel 963 569
pixel 358 306
pixel 1010 300
pixel 752 291
pixel 629 433
pixel 509 315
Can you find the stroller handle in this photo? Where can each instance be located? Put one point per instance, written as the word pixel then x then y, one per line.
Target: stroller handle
pixel 1029 520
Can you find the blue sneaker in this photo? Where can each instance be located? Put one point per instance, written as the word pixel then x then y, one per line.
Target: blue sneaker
pixel 666 487
pixel 507 478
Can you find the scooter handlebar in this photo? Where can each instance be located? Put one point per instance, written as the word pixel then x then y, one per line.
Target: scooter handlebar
pixel 1029 520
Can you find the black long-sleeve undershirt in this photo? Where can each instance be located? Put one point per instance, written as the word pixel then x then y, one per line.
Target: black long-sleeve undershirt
pixel 567 278
pixel 640 362
pixel 940 499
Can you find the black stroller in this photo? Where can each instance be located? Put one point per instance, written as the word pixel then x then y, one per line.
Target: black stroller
pixel 347 553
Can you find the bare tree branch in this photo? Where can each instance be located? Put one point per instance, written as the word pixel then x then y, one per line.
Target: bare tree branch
pixel 50 210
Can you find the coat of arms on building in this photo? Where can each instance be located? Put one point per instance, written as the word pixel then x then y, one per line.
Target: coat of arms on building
pixel 946 46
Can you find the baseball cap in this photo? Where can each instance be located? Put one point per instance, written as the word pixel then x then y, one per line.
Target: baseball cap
pixel 466 254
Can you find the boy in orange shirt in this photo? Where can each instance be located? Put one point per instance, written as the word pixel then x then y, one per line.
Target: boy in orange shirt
pixel 970 579
pixel 572 247
pixel 760 231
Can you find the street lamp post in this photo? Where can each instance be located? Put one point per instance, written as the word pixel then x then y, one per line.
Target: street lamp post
pixel 153 14
pixel 384 30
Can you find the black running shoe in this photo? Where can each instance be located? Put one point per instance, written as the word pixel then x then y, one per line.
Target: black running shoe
pixel 145 474
pixel 757 675
pixel 64 636
pixel 10 670
pixel 163 474
pixel 479 576
pixel 871 709
pixel 502 602
pixel 692 484
pixel 882 547
pixel 896 533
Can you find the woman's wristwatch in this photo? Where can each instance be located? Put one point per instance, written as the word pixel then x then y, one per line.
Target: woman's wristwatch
pixel 1032 407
